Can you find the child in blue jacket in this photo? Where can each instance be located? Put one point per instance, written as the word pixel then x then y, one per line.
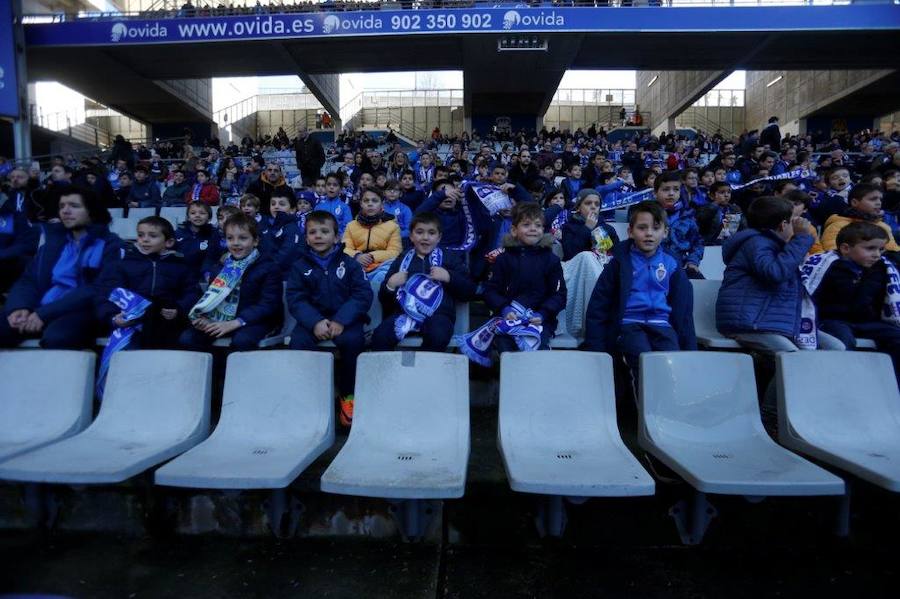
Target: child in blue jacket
pixel 529 273
pixel 328 294
pixel 251 308
pixel 198 241
pixel 462 227
pixel 759 303
pixel 152 270
pixel 334 203
pixel 643 300
pixel 402 213
pixel 683 241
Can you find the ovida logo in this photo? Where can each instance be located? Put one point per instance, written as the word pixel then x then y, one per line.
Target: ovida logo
pixel 542 19
pixel 120 31
pixel 334 23
pixel 511 18
pixel 331 24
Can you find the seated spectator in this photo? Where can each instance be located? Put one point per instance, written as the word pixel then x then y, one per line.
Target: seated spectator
pixel 759 303
pixel 18 242
pixel 858 294
pixel 144 190
pixel 271 182
pixel 197 240
pixel 250 207
pixel 800 200
pixel 203 190
pixel 585 230
pixel 402 214
pixel 244 298
pixel 464 219
pixel 529 274
pixel 424 266
pixel 865 206
pixel 151 269
pixel 683 241
pixel 643 300
pixel 373 238
pixel 719 219
pixel 333 203
pixel 54 298
pixel 328 294
pixel 411 194
pixel 281 236
pixel 834 200
pixel 177 191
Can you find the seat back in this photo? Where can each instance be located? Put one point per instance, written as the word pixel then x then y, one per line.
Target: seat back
pixel 839 397
pixel 705 294
pixel 412 400
pixel 280 394
pixel 621 230
pixel 140 213
pixel 44 394
pixel 157 394
pixel 173 214
pixel 712 266
pixel 126 228
pixel 116 212
pixel 697 397
pixel 565 406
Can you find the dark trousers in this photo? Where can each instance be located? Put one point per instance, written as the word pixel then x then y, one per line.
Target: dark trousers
pixel 505 343
pixel 436 333
pixel 885 335
pixel 246 338
pixel 350 343
pixel 76 330
pixel 636 339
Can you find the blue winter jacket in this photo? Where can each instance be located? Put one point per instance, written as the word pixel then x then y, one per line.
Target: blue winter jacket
pixel 18 237
pixel 260 302
pixel 201 249
pixel 684 242
pixel 339 209
pixel 612 298
pixel 529 275
pixel 98 248
pixel 761 289
pixel 340 292
pixel 453 222
pixel 164 279
pixel 460 288
pixel 282 239
pixel 402 214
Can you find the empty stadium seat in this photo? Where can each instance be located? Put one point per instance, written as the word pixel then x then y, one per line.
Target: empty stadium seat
pixel 699 415
pixel 562 338
pixel 410 435
pixel 46 396
pixel 277 417
pixel 173 214
pixel 139 213
pixel 842 408
pixel 712 266
pixel 708 336
pixel 156 406
pixel 562 439
pixel 116 212
pixel 621 229
pixel 126 228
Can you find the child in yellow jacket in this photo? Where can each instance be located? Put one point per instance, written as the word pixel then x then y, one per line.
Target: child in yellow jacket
pixel 373 239
pixel 865 206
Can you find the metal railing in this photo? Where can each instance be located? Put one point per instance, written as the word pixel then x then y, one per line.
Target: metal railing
pixel 700 122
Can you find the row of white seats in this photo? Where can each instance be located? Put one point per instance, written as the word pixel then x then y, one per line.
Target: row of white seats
pixel 410 440
pixel 126 227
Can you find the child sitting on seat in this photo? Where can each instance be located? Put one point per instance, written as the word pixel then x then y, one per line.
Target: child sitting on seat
pixel 865 206
pixel 643 300
pixel 526 274
pixel 328 294
pixel 373 238
pixel 402 214
pixel 334 203
pixel 859 292
pixel 281 236
pixel 243 299
pixel 420 291
pixel 585 230
pixel 151 269
pixel 683 241
pixel 250 207
pixel 197 240
pixel 759 303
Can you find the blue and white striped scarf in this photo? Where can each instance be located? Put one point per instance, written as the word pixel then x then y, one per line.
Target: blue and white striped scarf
pixel 133 307
pixel 477 344
pixel 419 298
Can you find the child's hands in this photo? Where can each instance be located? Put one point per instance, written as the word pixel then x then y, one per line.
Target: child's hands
pixel 220 329
pixel 507 187
pixel 364 259
pixel 119 320
pixel 169 313
pixel 33 324
pixel 322 330
pixel 536 320
pixel 335 328
pixel 592 219
pixel 799 225
pixel 200 324
pixel 397 280
pixel 439 273
pixel 452 193
pixel 17 318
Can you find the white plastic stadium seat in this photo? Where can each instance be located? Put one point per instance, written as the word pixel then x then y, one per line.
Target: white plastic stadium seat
pixel 139 213
pixel 173 214
pixel 842 408
pixel 712 266
pixel 45 396
pixel 699 415
pixel 156 406
pixel 126 228
pixel 277 417
pixel 621 229
pixel 708 336
pixel 116 212
pixel 410 435
pixel 563 439
pixel 562 339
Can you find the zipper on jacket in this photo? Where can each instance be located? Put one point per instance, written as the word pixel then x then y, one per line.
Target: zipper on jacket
pixel 153 280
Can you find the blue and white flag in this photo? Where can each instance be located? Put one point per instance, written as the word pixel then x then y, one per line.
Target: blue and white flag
pixel 477 344
pixel 623 202
pixel 797 173
pixel 493 198
pixel 133 307
pixel 419 298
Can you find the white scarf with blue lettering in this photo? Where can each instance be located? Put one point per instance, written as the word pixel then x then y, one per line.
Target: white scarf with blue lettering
pixel 133 307
pixel 419 298
pixel 477 344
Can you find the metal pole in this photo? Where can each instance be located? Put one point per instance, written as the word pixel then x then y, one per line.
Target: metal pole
pixel 21 125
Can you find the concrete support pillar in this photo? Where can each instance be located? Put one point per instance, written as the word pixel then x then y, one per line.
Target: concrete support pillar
pixel 338 126
pixel 327 90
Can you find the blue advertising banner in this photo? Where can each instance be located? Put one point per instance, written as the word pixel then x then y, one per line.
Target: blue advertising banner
pixel 9 95
pixel 106 31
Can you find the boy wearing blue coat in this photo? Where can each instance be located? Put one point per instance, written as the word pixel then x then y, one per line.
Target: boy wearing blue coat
pixel 643 300
pixel 683 240
pixel 152 270
pixel 243 299
pixel 54 299
pixel 329 295
pixel 759 303
pixel 447 269
pixel 281 237
pixel 198 241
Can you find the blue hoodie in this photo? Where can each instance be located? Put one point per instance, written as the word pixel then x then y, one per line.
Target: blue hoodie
pixel 634 288
pixel 339 209
pixel 402 214
pixel 761 289
pixel 201 250
pixel 684 242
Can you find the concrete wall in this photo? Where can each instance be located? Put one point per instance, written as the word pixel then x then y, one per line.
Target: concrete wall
pixel 671 93
pixel 798 94
pixel 573 116
pixel 196 93
pixel 729 120
pixel 889 123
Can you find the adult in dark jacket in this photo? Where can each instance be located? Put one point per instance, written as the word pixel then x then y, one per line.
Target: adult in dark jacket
pixel 175 193
pixel 771 135
pixel 270 183
pixel 144 190
pixel 310 156
pixel 54 299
